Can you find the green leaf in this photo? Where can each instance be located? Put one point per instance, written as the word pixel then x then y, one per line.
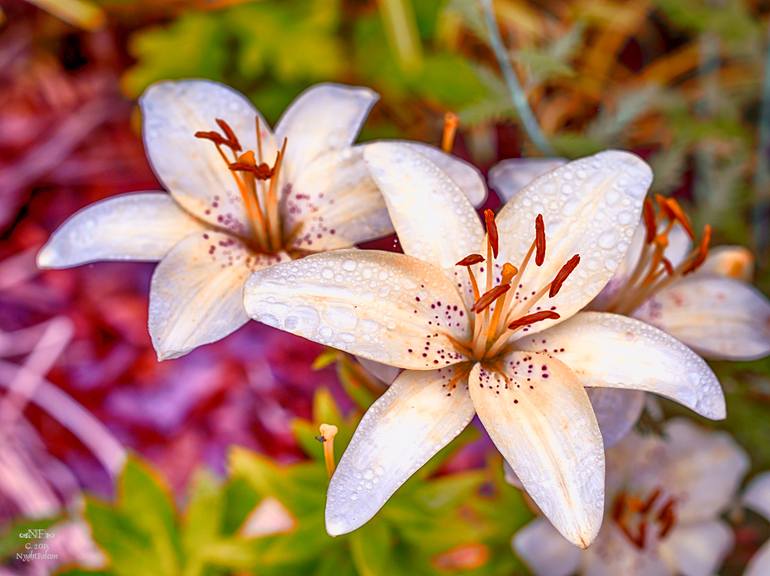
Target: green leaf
pixel 129 549
pixel 145 498
pixel 371 548
pixel 202 520
pixel 191 46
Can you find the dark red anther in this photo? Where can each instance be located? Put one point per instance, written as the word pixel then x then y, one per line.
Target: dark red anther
pixel 534 317
pixel 649 221
pixel 470 260
pixel 231 137
pixel 668 266
pixel 562 275
pixel 490 296
pixel 650 502
pixel 489 220
pixel 260 171
pixel 215 137
pixel 539 240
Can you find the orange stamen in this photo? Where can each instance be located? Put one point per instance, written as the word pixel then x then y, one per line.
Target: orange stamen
pixel 679 215
pixel 328 432
pixel 470 260
pixel 700 256
pixel 489 220
pixel 450 129
pixel 532 318
pixel 563 274
pixel 489 297
pixel 231 137
pixel 539 240
pixel 649 221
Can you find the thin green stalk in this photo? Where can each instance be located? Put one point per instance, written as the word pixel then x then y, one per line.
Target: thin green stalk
pixel 761 175
pixel 518 97
pixel 401 29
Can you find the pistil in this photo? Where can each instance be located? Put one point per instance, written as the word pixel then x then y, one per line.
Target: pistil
pixel 328 432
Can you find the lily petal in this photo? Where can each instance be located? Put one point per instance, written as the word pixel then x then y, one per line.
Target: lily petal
pixel 757 495
pixel 413 187
pixel 196 295
pixel 190 168
pixel 759 565
pixel 334 203
pixel 384 373
pixel 387 307
pixel 718 317
pixel 323 118
pixel 591 207
pixel 142 226
pixel 614 351
pixel 545 551
pixel 616 411
pixel 731 261
pixel 704 470
pixel 698 549
pixel 465 175
pixel 508 177
pixel 403 429
pixel 434 220
pixel 542 422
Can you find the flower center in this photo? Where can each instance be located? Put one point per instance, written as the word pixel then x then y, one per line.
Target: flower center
pixel 638 516
pixel 257 182
pixel 653 270
pixel 506 307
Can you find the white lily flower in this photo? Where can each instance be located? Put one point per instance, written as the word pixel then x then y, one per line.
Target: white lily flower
pixel 664 495
pixel 701 297
pixel 757 497
pixel 707 303
pixel 240 198
pixel 481 335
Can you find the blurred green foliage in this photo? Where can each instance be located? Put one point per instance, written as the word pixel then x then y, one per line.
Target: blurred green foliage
pixel 434 524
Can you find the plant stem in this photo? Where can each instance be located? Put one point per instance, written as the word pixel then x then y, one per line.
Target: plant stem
pixel 518 97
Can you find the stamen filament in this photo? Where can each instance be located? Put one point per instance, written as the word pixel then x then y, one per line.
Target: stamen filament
pixel 328 432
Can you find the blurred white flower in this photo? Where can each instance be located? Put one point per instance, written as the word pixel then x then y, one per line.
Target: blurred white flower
pixel 241 198
pixel 664 498
pixel 757 497
pixel 478 334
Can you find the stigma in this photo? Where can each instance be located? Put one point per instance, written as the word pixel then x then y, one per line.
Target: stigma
pixel 505 307
pixel 257 182
pixel 654 271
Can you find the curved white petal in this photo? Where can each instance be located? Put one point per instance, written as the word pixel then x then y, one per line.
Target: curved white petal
pixel 323 118
pixel 335 203
pixel 703 470
pixel 404 428
pixel 465 175
pixel 383 372
pixel 196 295
pixel 718 317
pixel 616 411
pixel 698 549
pixel 757 494
pixel 508 177
pixel 434 220
pixel 731 261
pixel 590 207
pixel 387 307
pixel 542 422
pixel 190 168
pixel 759 565
pixel 140 226
pixel 545 551
pixel 613 351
